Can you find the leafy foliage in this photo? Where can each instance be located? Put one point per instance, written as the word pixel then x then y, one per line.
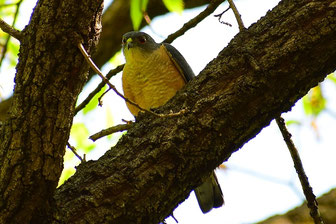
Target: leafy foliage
pixel 174 5
pixel 314 102
pixel 94 102
pixel 79 133
pixel 137 9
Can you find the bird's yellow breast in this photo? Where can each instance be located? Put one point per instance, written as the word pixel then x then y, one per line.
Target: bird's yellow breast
pixel 150 79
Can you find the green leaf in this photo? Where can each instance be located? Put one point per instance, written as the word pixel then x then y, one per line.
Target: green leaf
pixel 291 122
pixel 332 77
pixel 94 101
pixel 314 102
pixel 66 174
pixel 13 50
pixel 174 5
pixel 80 134
pixel 137 9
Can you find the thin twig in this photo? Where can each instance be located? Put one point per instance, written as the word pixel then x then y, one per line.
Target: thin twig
pixel 96 69
pixel 11 31
pixel 5 27
pixel 220 17
pixel 307 189
pixel 100 102
pixel 111 130
pixel 193 22
pixel 98 88
pixel 237 15
pixel 73 149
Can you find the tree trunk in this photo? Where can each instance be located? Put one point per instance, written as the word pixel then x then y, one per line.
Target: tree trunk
pixel 50 74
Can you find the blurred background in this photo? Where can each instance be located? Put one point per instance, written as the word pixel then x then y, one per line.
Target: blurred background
pixel 259 180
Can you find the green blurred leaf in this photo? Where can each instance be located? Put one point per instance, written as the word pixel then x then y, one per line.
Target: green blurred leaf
pixel 137 9
pixel 8 11
pixel 332 77
pixel 174 5
pixel 94 101
pixel 314 102
pixel 80 133
pixel 12 51
pixel 66 174
pixel 293 122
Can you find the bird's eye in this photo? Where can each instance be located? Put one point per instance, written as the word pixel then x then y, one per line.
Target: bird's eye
pixel 142 39
pixel 123 41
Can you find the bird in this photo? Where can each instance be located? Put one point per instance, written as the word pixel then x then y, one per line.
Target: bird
pixel 152 75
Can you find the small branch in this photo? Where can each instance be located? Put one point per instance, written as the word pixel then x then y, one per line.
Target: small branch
pixel 98 88
pixel 100 102
pixel 96 69
pixel 307 189
pixel 111 130
pixel 5 27
pixel 73 149
pixel 220 17
pixel 11 31
pixel 193 22
pixel 237 15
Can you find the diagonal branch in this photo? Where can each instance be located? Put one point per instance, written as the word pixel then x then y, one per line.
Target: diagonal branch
pixel 160 160
pixel 10 30
pixel 307 190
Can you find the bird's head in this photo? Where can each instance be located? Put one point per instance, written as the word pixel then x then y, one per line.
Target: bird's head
pixel 138 43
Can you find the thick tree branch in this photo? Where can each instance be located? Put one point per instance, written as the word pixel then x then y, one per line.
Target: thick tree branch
pixel 261 74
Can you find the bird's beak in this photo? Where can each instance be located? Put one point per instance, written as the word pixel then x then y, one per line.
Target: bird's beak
pixel 129 43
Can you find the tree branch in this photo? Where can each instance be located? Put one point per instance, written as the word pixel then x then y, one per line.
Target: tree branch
pixel 307 190
pixel 237 15
pixel 87 100
pixel 10 30
pixel 111 130
pixel 160 160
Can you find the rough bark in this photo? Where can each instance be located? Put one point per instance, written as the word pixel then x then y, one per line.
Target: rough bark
pixel 50 74
pixel 300 215
pixel 262 73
